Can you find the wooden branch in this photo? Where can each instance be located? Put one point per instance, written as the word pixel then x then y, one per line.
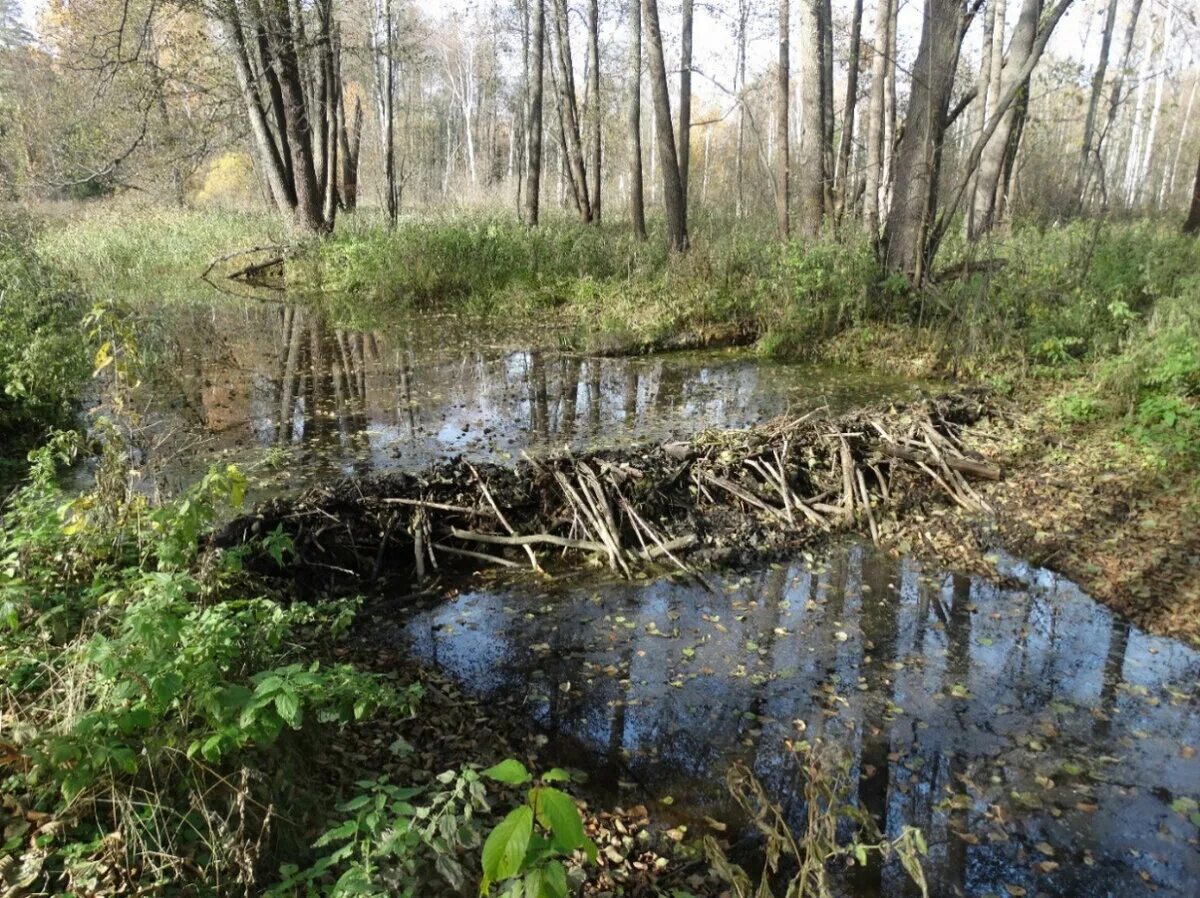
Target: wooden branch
pixel 963 465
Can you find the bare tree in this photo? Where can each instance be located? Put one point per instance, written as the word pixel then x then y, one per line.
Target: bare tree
pixel 533 126
pixel 1114 102
pixel 918 161
pixel 349 145
pixel 287 78
pixel 569 111
pixel 637 203
pixel 382 37
pixel 782 95
pixel 1192 225
pixel 595 111
pixel 842 172
pixel 665 137
pixel 685 97
pixel 986 201
pixel 1089 125
pixel 810 174
pixel 872 177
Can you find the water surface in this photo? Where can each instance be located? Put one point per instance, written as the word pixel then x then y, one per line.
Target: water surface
pixel 255 381
pixel 1039 741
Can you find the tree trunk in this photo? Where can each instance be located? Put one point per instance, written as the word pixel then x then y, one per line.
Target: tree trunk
pixel 570 112
pixel 594 82
pixel 297 78
pixel 685 98
pixel 1192 225
pixel 739 88
pixel 991 163
pixel 637 203
pixel 534 124
pixel 1089 126
pixel 873 175
pixel 350 139
pixel 1114 102
pixel 918 160
pixel 1169 190
pixel 810 175
pixel 665 137
pixel 842 173
pixel 983 92
pixel 782 95
pixel 1159 49
pixel 827 122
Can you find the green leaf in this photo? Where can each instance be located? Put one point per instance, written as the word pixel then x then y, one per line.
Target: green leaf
pixel 287 703
pixel 554 881
pixel 510 771
pixel 557 775
pixel 505 847
pixel 557 812
pixel 533 883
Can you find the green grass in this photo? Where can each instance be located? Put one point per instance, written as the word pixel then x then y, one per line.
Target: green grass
pixel 137 255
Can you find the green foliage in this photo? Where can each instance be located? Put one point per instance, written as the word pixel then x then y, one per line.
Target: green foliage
pixel 1065 292
pixel 389 840
pixel 524 851
pixel 140 685
pixel 43 356
pixel 138 254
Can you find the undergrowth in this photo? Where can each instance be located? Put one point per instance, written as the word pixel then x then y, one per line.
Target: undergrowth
pixel 43 355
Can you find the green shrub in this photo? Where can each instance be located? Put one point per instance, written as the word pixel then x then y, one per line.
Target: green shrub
pixel 146 696
pixel 43 355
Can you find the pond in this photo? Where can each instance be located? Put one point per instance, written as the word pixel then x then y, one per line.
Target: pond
pixel 1042 744
pixel 262 382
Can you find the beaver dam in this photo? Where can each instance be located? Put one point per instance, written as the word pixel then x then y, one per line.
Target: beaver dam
pixel 663 615
pixel 724 496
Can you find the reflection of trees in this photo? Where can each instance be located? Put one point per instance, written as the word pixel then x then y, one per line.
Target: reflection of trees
pixel 879 624
pixel 958 667
pixel 1114 673
pixel 322 382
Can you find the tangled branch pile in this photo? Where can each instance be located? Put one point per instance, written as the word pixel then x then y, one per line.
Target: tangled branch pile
pixel 721 497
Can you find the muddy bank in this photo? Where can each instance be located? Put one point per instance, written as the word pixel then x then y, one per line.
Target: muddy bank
pixel 723 497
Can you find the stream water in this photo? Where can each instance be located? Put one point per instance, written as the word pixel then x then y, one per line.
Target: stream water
pixel 254 382
pixel 1039 742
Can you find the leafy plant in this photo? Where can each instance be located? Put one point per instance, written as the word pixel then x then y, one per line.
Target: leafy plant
pixel 524 851
pixel 386 844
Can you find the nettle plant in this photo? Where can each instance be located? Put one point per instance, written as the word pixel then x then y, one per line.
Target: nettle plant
pixel 390 840
pixel 524 852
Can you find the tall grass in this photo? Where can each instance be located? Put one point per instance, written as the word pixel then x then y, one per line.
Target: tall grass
pixel 139 254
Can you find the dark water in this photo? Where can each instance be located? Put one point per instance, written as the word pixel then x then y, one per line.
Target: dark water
pixel 253 382
pixel 1016 726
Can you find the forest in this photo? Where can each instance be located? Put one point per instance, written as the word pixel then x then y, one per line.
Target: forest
pixel 596 448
